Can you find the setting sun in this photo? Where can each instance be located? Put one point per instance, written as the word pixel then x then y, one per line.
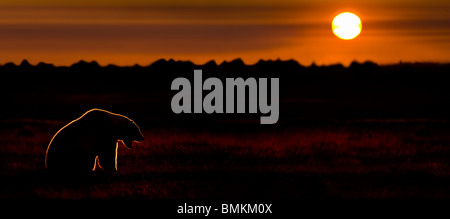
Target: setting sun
pixel 346 26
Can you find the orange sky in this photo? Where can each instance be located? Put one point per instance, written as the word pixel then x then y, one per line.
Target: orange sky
pixel 137 31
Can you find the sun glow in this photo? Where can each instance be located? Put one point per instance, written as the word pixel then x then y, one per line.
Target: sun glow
pixel 346 26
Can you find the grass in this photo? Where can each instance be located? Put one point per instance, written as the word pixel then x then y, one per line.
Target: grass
pixel 364 159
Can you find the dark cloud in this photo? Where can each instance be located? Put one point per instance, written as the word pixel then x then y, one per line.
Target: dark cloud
pixel 172 38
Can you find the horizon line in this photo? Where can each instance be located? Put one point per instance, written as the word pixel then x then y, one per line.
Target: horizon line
pixel 25 62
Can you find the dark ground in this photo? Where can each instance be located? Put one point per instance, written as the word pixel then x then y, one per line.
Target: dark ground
pixel 366 131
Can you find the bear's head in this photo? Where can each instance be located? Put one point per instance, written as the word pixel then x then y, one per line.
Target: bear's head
pixel 121 127
pixel 130 132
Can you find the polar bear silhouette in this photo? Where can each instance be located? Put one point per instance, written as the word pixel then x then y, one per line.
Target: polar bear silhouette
pixel 90 140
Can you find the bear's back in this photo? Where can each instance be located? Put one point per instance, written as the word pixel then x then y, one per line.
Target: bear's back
pixel 100 119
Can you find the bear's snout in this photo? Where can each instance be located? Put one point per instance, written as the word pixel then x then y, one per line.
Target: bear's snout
pixel 140 137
